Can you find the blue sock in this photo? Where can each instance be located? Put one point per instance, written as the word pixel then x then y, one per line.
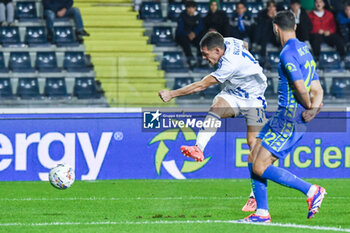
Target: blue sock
pixel 284 177
pixel 259 186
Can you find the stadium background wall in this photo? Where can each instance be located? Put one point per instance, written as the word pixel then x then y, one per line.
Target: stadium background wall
pixel 113 145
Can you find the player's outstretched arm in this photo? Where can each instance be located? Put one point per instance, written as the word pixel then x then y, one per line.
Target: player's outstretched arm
pixel 316 94
pixel 195 87
pixel 302 94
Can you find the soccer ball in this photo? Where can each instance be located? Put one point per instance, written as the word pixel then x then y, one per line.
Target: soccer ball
pixel 62 176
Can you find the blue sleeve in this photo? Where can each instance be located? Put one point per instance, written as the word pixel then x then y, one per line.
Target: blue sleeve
pixel 290 65
pixel 342 19
pixel 315 77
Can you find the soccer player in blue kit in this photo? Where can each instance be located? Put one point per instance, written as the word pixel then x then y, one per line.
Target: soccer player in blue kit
pixel 299 101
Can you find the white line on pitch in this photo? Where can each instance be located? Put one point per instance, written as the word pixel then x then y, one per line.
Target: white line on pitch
pixel 287 225
pixel 149 198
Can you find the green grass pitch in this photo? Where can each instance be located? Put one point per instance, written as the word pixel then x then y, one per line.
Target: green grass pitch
pixel 164 206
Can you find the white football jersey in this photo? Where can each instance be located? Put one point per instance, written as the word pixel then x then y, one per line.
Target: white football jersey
pixel 238 69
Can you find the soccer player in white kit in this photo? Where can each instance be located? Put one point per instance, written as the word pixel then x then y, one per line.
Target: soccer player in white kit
pixel 245 85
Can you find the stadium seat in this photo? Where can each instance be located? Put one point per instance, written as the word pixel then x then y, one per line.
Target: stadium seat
pixel 36 37
pixel 347 61
pixel 229 8
pixel 282 6
pixel 9 37
pixel 3 68
pixel 174 10
pixel 329 61
pixel 181 82
pixel 28 88
pixel 273 58
pixel 64 36
pixel 270 91
pixel 26 11
pixel 75 62
pixel 340 87
pixel 253 8
pixel 151 11
pixel 55 88
pixel 211 91
pixel 85 88
pixel 163 36
pixel 173 62
pixel 5 88
pixel 46 62
pixel 20 62
pixel 323 84
pixel 203 8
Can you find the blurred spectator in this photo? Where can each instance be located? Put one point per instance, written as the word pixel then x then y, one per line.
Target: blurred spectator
pixel 189 31
pixel 264 32
pixel 304 25
pixel 334 5
pixel 6 6
pixel 62 9
pixel 324 30
pixel 308 5
pixel 344 22
pixel 216 20
pixel 242 23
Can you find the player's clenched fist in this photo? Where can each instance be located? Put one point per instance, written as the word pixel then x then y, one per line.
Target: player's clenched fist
pixel 165 95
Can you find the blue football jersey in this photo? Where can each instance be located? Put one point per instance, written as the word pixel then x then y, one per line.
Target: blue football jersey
pixel 296 62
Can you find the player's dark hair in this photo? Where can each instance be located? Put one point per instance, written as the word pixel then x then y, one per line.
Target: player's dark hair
pixel 212 40
pixel 285 20
pixel 189 4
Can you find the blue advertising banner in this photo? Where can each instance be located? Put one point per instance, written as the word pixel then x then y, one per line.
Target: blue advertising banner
pixel 117 146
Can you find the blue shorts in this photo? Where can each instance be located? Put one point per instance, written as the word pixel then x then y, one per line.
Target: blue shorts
pixel 280 135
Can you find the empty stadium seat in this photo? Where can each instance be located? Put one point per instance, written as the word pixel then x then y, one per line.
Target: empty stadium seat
pixel 3 68
pixel 28 88
pixel 323 84
pixel 9 36
pixel 64 36
pixel 55 88
pixel 340 87
pixel 253 8
pixel 174 10
pixel 163 36
pixel 20 62
pixel 273 58
pixel 229 8
pixel 203 8
pixel 75 62
pixel 5 88
pixel 36 37
pixel 85 88
pixel 282 6
pixel 151 11
pixel 211 91
pixel 173 62
pixel 329 61
pixel 347 61
pixel 26 11
pixel 181 82
pixel 270 91
pixel 46 62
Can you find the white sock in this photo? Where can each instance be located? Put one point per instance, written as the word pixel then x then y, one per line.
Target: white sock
pixel 311 191
pixel 205 134
pixel 252 194
pixel 262 212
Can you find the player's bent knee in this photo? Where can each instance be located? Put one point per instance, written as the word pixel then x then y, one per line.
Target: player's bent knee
pixel 258 168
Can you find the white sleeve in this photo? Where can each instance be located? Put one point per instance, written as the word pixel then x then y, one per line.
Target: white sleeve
pixel 224 71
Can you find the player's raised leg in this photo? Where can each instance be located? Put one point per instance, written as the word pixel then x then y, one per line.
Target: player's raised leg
pixel 219 109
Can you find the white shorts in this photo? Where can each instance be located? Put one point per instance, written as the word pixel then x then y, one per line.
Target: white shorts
pixel 253 109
